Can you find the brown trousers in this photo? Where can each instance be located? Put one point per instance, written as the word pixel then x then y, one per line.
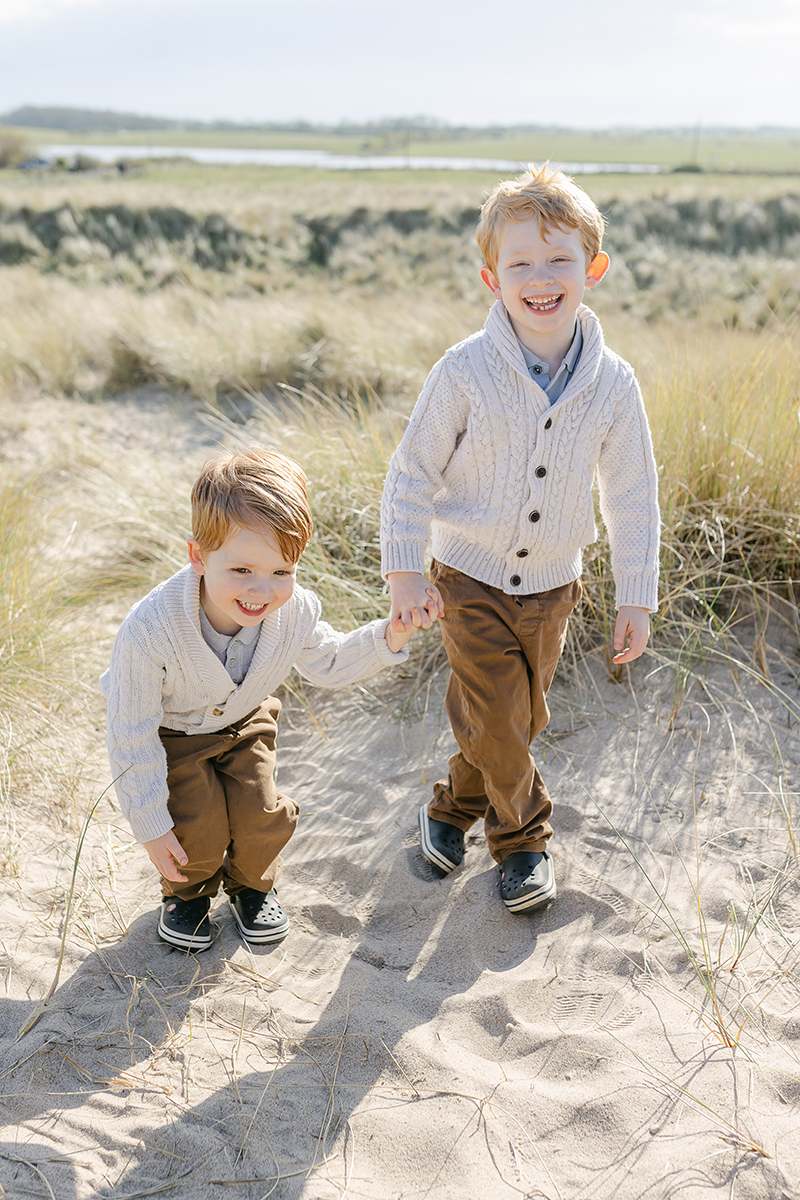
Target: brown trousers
pixel 229 816
pixel 503 651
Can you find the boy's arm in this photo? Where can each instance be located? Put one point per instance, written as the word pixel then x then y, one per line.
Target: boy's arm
pixel 135 712
pixel 416 474
pixel 330 658
pixel 628 487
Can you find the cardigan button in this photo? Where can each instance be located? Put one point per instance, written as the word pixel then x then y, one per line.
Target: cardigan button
pixel 515 580
pixel 541 472
pixel 218 712
pixel 522 554
pixel 534 516
pixel 548 422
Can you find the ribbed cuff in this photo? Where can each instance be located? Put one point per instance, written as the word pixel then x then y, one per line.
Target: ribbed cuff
pixel 403 556
pixel 639 591
pixel 147 826
pixel 389 658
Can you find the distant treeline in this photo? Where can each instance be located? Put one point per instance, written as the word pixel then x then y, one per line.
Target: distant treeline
pixel 90 120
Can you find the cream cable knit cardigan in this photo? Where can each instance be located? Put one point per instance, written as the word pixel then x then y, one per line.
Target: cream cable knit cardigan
pixel 163 673
pixel 503 481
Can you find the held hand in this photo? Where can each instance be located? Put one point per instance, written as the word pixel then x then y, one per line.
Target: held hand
pixel 633 627
pixel 166 853
pixel 415 601
pixel 397 634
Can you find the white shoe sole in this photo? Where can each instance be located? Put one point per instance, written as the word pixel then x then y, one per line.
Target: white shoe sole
pixel 428 849
pixel 534 900
pixel 537 899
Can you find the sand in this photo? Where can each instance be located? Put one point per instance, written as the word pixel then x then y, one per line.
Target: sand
pixel 410 1037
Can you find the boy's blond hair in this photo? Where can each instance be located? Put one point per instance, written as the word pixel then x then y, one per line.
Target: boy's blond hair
pixel 544 192
pixel 248 488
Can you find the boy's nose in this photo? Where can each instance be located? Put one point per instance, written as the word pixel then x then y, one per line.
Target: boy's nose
pixel 260 591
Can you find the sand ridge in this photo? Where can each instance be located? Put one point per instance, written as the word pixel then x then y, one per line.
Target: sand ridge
pixel 411 1038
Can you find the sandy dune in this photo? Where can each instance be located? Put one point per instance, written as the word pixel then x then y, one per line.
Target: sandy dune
pixel 411 1038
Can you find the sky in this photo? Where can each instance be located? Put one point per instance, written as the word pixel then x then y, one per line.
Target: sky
pixel 640 63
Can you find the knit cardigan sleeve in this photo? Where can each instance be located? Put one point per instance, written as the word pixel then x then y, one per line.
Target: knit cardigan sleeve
pixel 437 423
pixel 333 659
pixel 628 490
pixel 135 711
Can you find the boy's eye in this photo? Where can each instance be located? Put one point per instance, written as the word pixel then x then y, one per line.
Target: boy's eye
pixel 241 570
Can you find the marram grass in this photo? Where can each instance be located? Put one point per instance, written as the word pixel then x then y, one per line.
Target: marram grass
pixel 727 439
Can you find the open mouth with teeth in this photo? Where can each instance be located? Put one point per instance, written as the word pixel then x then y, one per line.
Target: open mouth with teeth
pixel 543 304
pixel 251 610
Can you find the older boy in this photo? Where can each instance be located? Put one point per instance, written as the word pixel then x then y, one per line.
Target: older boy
pixel 191 718
pixel 497 463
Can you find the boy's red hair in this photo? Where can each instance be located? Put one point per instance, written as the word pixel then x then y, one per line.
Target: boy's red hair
pixel 544 192
pixel 248 488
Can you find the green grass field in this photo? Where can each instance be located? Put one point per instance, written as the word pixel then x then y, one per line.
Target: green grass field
pixel 244 187
pixel 769 152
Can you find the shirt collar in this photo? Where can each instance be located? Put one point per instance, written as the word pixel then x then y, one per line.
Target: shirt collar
pixel 568 361
pixel 220 641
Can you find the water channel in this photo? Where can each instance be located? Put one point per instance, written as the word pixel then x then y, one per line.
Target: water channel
pixel 328 161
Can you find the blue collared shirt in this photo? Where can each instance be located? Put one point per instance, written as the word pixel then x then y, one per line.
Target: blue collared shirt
pixel 540 372
pixel 236 652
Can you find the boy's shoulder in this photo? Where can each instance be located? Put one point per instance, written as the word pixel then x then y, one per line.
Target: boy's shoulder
pixel 168 594
pixel 304 605
pixel 459 349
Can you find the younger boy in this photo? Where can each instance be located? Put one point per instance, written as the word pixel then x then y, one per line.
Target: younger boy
pixel 497 464
pixel 191 716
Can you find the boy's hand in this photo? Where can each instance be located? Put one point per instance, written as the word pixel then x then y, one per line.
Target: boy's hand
pixel 415 602
pixel 166 853
pixel 633 626
pixel 397 633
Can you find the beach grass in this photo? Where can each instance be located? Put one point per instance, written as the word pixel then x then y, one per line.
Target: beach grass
pixel 324 362
pixel 326 369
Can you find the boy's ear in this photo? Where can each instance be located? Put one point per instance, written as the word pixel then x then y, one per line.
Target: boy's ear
pixel 491 281
pixel 196 556
pixel 597 269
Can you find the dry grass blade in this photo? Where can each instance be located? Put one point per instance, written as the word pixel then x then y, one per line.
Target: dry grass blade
pixel 721 1023
pixel 25 1162
pixel 740 1139
pixel 410 1082
pixel 40 1008
pixel 160 1188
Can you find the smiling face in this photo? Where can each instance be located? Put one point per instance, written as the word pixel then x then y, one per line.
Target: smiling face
pixel 244 579
pixel 541 281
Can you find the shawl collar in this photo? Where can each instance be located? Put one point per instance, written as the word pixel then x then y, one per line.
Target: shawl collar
pixel 277 629
pixel 500 332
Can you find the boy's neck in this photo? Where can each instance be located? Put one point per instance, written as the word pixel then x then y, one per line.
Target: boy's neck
pixel 551 349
